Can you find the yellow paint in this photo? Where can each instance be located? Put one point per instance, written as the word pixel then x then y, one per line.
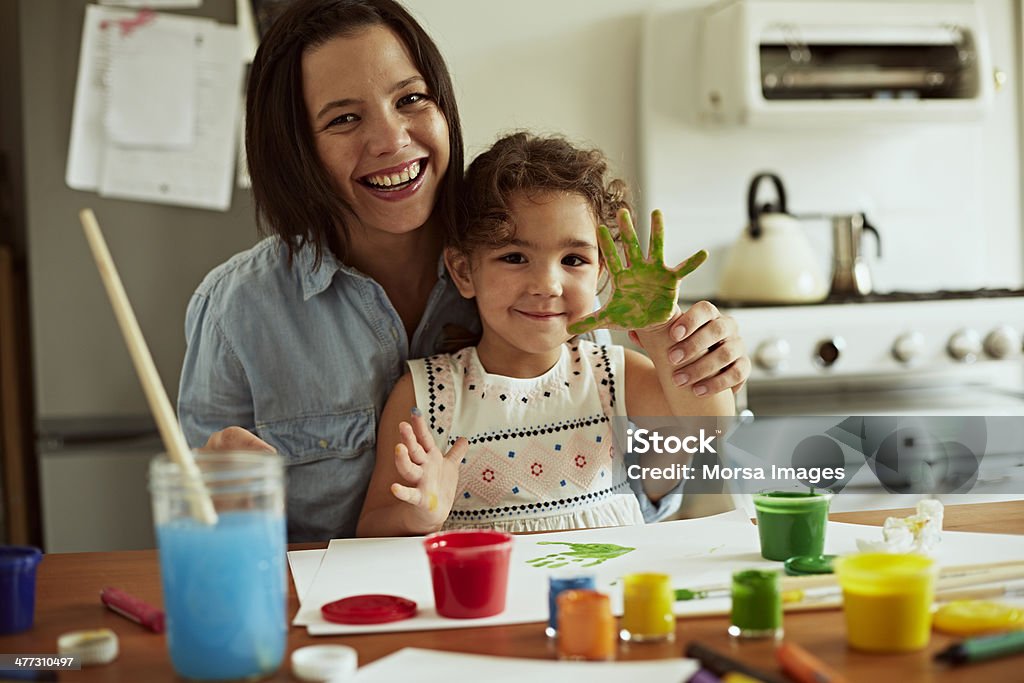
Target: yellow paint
pixel 887 600
pixel 432 501
pixel 647 601
pixel 792 596
pixel 976 617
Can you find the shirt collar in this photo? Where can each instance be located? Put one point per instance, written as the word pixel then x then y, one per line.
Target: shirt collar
pixel 317 280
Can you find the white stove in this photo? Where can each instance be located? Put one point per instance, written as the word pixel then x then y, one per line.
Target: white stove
pixel 893 353
pixel 936 354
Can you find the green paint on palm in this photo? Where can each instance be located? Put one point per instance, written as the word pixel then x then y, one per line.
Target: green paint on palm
pixel 645 290
pixel 583 554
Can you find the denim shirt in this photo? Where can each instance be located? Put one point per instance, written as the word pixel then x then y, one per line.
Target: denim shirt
pixel 305 359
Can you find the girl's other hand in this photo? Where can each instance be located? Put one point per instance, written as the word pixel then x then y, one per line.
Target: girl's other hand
pixel 236 439
pixel 431 477
pixel 709 354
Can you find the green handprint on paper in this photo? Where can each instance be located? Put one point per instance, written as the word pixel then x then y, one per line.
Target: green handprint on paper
pixel 645 290
pixel 578 552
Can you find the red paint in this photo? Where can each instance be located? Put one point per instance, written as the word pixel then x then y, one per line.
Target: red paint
pixel 469 570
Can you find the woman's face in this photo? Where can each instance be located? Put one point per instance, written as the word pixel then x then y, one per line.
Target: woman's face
pixel 378 131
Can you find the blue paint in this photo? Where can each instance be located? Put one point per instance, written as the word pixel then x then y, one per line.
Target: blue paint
pixel 17 587
pixel 224 594
pixel 564 583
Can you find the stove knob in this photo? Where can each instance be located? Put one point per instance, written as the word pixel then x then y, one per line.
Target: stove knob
pixel 829 351
pixel 964 345
pixel 771 355
pixel 908 347
pixel 1002 342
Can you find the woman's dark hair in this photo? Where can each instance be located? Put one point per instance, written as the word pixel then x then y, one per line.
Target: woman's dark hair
pixel 294 196
pixel 525 163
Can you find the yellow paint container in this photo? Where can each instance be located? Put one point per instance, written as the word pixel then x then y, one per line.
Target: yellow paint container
pixel 647 601
pixel 887 600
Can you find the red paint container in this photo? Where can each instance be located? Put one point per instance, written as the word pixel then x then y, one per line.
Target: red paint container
pixel 469 570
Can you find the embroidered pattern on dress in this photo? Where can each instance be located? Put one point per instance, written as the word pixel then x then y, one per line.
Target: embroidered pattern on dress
pixel 587 457
pixel 522 432
pixel 440 394
pixel 543 507
pixel 541 470
pixel 477 385
pixel 487 476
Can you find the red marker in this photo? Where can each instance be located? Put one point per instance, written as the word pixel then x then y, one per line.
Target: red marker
pixel 803 667
pixel 131 607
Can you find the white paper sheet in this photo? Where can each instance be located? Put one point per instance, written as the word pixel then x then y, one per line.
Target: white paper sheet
pixel 202 175
pixel 151 94
pixel 88 134
pixel 433 666
pixel 398 566
pixel 695 552
pixel 304 565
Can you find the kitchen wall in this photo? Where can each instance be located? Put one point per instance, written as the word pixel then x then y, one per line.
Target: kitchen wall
pixel 944 196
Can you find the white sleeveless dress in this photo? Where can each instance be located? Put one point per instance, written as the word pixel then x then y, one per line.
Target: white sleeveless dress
pixel 541 454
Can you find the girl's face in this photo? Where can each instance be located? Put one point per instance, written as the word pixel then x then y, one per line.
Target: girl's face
pixel 378 131
pixel 529 290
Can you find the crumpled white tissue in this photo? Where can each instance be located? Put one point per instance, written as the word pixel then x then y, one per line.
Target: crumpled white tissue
pixel 919 533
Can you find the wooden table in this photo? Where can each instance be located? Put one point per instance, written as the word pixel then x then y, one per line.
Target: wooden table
pixel 68 599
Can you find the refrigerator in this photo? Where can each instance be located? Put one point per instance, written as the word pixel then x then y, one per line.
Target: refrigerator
pixel 92 434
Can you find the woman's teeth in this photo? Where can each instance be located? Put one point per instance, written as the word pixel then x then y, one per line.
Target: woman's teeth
pixel 411 172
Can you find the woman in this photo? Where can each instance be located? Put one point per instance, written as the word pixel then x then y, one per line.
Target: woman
pixel 355 153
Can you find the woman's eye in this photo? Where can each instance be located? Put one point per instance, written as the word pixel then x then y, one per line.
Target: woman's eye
pixel 413 98
pixel 342 120
pixel 513 258
pixel 574 260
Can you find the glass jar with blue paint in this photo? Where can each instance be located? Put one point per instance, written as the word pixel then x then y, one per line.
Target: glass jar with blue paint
pixel 223 583
pixel 564 581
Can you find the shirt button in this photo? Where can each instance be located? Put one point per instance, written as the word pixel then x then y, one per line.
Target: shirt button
pixel 323 443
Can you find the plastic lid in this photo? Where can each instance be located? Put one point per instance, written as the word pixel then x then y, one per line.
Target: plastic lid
pixel 369 609
pixel 974 617
pixel 98 646
pixel 803 565
pixel 324 662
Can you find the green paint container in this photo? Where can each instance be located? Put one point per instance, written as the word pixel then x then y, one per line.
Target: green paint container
pixel 791 523
pixel 756 604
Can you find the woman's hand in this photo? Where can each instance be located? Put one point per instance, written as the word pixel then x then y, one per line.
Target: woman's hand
pixel 236 439
pixel 432 478
pixel 709 355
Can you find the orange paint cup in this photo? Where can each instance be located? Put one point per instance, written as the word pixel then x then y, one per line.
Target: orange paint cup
pixel 586 627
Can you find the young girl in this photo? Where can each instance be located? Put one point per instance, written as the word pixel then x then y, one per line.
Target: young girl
pixel 525 416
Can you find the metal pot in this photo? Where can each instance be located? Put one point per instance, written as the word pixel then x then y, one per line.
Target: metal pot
pixel 772 261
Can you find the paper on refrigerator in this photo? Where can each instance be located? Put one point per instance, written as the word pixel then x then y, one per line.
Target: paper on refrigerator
pixel 199 174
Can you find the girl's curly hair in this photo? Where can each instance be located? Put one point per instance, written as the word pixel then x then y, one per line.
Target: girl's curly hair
pixel 526 163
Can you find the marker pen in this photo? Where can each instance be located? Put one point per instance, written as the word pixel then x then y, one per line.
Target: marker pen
pixel 720 665
pixel 986 647
pixel 132 608
pixel 803 667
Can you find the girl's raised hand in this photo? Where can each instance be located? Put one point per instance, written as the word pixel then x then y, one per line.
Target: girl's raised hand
pixel 645 290
pixel 431 477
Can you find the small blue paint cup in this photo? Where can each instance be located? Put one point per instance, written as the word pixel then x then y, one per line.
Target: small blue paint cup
pixel 564 582
pixel 18 587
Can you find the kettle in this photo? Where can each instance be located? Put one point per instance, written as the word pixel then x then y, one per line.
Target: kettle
pixel 772 261
pixel 850 274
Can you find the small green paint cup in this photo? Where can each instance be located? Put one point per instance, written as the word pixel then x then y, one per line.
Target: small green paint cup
pixel 791 523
